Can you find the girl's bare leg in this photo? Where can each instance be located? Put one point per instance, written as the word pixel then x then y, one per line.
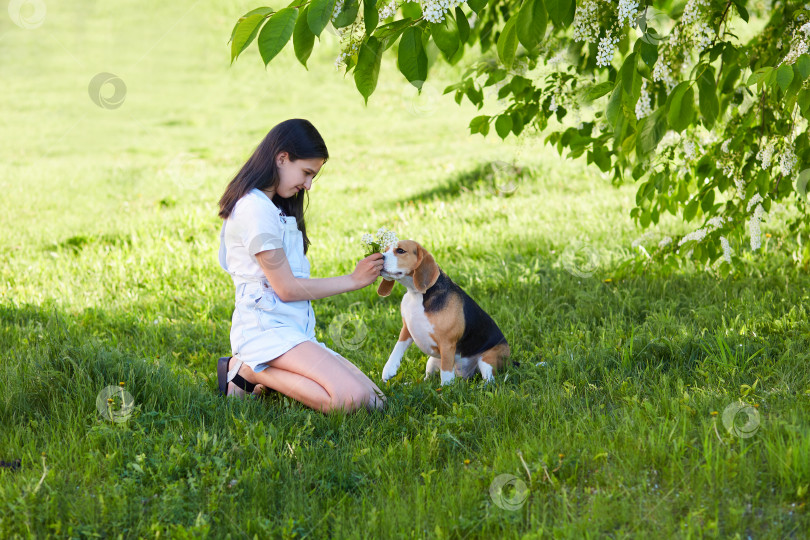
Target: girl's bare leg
pixel 320 380
pixel 360 375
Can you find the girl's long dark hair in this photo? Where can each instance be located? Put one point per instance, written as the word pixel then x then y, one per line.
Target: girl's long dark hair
pixel 297 137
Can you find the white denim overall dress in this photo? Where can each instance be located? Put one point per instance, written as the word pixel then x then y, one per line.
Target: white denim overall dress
pixel 263 326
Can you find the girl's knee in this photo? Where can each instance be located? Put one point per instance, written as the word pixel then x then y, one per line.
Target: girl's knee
pixel 354 400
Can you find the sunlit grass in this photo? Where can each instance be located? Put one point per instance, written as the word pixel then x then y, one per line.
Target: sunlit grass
pixel 613 419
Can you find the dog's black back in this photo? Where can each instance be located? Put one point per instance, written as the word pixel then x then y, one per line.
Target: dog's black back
pixel 480 331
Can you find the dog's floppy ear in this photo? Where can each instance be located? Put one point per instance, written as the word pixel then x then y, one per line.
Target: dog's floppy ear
pixel 385 287
pixel 426 272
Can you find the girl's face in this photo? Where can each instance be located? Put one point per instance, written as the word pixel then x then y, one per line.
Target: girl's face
pixel 295 175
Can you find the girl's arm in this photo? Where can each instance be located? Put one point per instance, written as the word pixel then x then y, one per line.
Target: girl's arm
pixel 289 288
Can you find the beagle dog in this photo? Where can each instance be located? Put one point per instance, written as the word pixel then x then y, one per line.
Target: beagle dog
pixel 437 315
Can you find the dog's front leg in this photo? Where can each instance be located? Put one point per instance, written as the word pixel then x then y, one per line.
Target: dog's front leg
pixel 448 353
pixel 392 365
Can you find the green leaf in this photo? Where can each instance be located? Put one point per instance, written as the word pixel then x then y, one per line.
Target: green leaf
pixel 507 42
pixel 347 15
pixel 803 65
pixel 445 35
pixel 392 29
pixel 601 157
pixel 690 210
pixel 614 106
pixel 411 57
pixel 644 219
pixel 303 38
pixel 463 25
pixel 503 125
pixel 368 66
pixel 263 10
pixel 319 15
pixel 708 201
pixel 411 9
pixel 370 16
pixel 631 80
pixel 729 82
pixel 480 124
pixel 597 91
pixel 740 5
pixel 707 93
pixel 477 5
pixel 276 33
pixel 784 76
pixel 759 76
pixel 681 106
pixel 517 123
pixel 648 52
pixel 561 12
pixel 531 23
pixel 245 31
pixel 651 130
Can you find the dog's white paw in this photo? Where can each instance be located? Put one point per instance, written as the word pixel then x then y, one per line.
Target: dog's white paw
pixel 389 372
pixel 448 377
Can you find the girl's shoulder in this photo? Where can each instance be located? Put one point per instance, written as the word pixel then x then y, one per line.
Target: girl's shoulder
pixel 255 201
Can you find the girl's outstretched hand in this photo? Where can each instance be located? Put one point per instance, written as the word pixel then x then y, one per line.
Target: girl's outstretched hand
pixel 368 270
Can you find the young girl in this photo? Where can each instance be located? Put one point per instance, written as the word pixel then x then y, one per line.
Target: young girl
pixel 263 243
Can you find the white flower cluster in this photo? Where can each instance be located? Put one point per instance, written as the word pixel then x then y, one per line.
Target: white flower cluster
pixel 724 146
pixel 663 72
pixel 726 249
pixel 691 12
pixel 739 183
pixel 703 36
pixel 665 241
pixel 628 9
pixel 388 10
pixel 756 199
pixel 643 107
pixel 765 154
pixel 694 235
pixel 798 44
pixel 688 150
pixel 670 138
pixel 434 10
pixel 349 51
pixel 558 59
pixel 607 46
pixel 336 11
pixel 586 22
pixel 690 35
pixel 383 239
pixel 787 160
pixel 638 241
pixel 701 233
pixel 753 224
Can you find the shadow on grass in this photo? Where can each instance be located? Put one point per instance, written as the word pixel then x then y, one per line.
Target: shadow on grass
pixel 499 178
pixel 561 328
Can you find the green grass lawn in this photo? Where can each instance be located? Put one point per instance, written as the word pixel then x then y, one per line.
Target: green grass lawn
pixel 611 425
